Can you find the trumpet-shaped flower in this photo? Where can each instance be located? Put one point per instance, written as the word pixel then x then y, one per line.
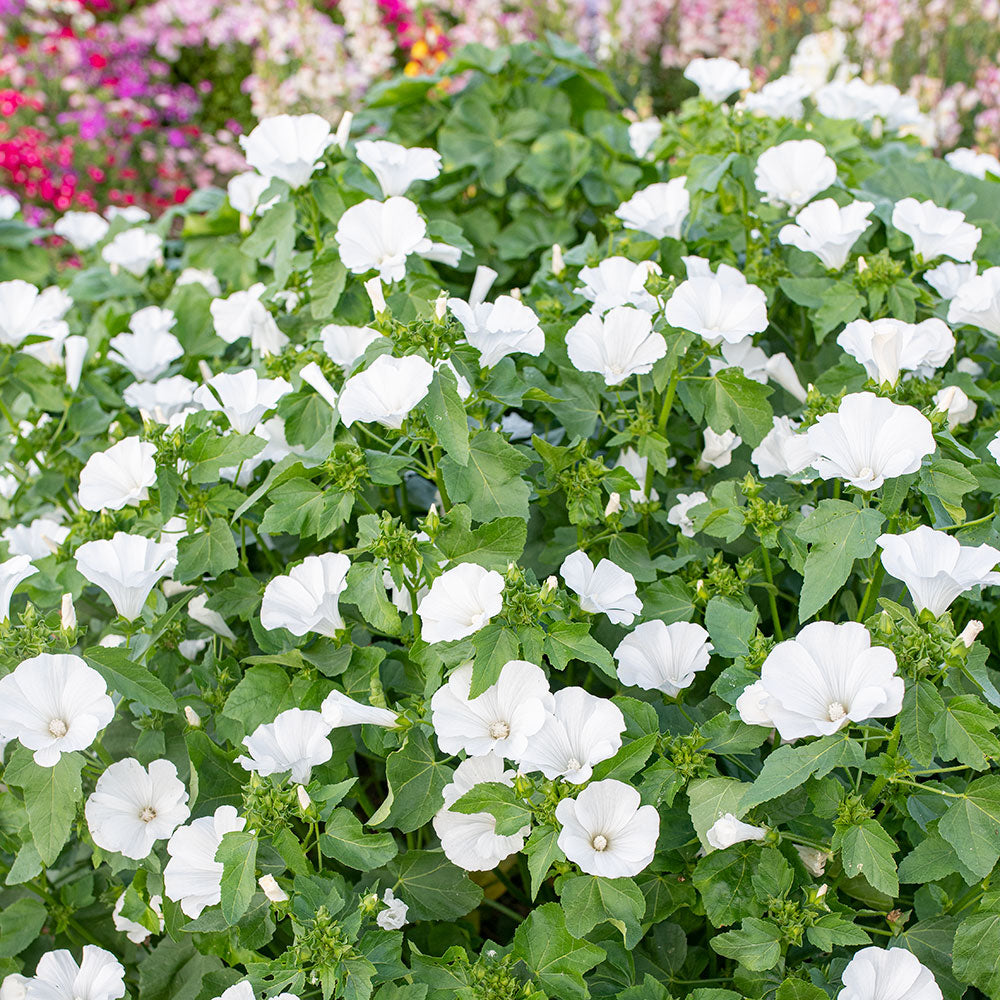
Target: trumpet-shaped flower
pixel 953 401
pixel 784 451
pixel 397 167
pixel 306 600
pixel 119 477
pixel 643 134
pixel 582 731
pixel 126 567
pixel 827 230
pixel 607 588
pixel 496 329
pixel 936 231
pixel 245 191
pixel 192 876
pixel 25 311
pixel 870 439
pixel 828 676
pixel 345 344
pixel 132 807
pixel 163 400
pixel 296 741
pixel 380 235
pixel 659 657
pixel 779 98
pixel 718 307
pixel 386 391
pixel 242 314
pixel 680 515
pixel 81 229
pixel 888 974
pixel 339 711
pixel 13 572
pixel 888 347
pixel 968 161
pixel 936 567
pixel 470 841
pixel 243 397
pixel 638 467
pixel 794 172
pixel 977 302
pixel 719 448
pixel 660 209
pixel 460 602
pixel 393 917
pixel 136 933
pixel 40 538
pixel 150 348
pixel 621 344
pixel 99 976
pixel 605 830
pixel 717 78
pixel 618 281
pixel 53 704
pixel 948 277
pixel 501 720
pixel 289 147
pixel 756 365
pixel 728 830
pixel 135 250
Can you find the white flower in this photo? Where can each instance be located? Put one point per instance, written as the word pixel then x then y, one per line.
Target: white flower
pixel 855 99
pixel 502 719
pixel 13 572
pixel 936 568
pixel 99 976
pixel 870 439
pixel 659 657
pixel 779 98
pixel 396 167
pixel 496 329
pixel 150 348
pixel 828 676
pixel 132 929
pixel 198 276
pixel 40 538
pixel 719 448
pixel 14 986
pixel 53 704
pixel 345 344
pixel 638 467
pixel 289 147
pixel 947 278
pixel 813 859
pixel 393 917
pixel 25 312
pixel 679 513
pixel 82 229
pixel 199 611
pixel 888 974
pixel 269 884
pixel 607 588
pixel 340 711
pixel 460 601
pixel 126 567
pixel 643 134
pixel 756 365
pixel 135 250
pixel 606 832
pixel 968 161
pixel 380 235
pixel 471 841
pixel 386 391
pixel 192 876
pixel 977 302
pixel 243 397
pixel 621 344
pixel 242 314
pixel 582 731
pixel 717 78
pixel 794 172
pixel 306 600
pixel 618 281
pixel 163 400
pixel 245 191
pixel 132 807
pixel 827 230
pixel 9 206
pixel 722 306
pixel 132 214
pixel 728 830
pixel 887 347
pixel 783 452
pixel 817 54
pixel 954 402
pixel 936 231
pixel 660 209
pixel 296 741
pixel 119 477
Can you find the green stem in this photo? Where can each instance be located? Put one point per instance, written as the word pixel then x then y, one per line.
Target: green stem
pixel 771 599
pixel 873 793
pixel 873 589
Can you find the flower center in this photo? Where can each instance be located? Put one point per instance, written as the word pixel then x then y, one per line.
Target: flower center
pixel 58 728
pixel 499 730
pixel 867 473
pixel 147 813
pixel 573 764
pixel 600 842
pixel 835 711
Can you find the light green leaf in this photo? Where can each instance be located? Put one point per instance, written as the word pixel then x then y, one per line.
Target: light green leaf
pixel 237 853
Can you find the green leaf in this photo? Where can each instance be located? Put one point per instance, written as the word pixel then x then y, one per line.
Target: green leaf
pixel 493 545
pixel 367 592
pixel 932 941
pixel 275 230
pixel 446 414
pixel 432 887
pixel 555 957
pixel 567 641
pixel 977 952
pixel 495 645
pixel 963 732
pixel 730 626
pixel 733 400
pixel 300 507
pixel 51 797
pixel 589 900
pixel 542 849
pixel 500 801
pixel 416 780
pixel 344 839
pixel 725 881
pixel 174 970
pixel 837 533
pixel 972 825
pixel 710 798
pixel 866 849
pixel 922 705
pixel 20 923
pixel 210 452
pixel 131 680
pixel 211 552
pixel 787 767
pixel 755 945
pixel 237 853
pixel 490 482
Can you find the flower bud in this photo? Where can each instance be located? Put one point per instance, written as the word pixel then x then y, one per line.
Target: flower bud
pixel 344 129
pixel 204 370
pixel 862 265
pixel 969 633
pixel 67 614
pixel 303 796
pixel 373 286
pixel 558 264
pixel 193 718
pixel 269 886
pixel 313 376
pixel 614 505
pixel 549 587
pixel 441 305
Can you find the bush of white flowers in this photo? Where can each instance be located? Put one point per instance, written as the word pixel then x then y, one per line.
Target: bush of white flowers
pixel 500 551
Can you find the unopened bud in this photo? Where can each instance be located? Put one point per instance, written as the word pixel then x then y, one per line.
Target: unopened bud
pixel 204 370
pixel 969 633
pixel 193 718
pixel 373 286
pixel 549 587
pixel 67 614
pixel 614 505
pixel 344 129
pixel 269 886
pixel 441 305
pixel 862 265
pixel 558 264
pixel 303 796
